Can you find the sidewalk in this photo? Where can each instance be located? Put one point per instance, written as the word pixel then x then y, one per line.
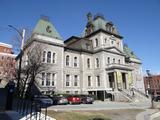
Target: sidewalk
pixel 149 114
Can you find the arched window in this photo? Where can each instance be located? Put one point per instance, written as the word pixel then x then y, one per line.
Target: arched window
pixel 108 60
pixel 113 60
pixel 67 60
pixel 96 42
pixel 44 56
pixel 97 62
pixel 54 58
pixel 88 63
pixel 49 57
pixel 75 62
pixel 119 61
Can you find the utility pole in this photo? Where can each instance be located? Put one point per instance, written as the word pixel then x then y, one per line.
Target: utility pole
pixel 22 35
pixel 150 80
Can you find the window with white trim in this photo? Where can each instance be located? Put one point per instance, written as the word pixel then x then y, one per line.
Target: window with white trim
pixel 75 62
pixel 89 81
pixel 53 57
pixel 53 79
pixel 119 61
pixel 96 42
pixel 88 63
pixel 43 79
pixel 108 60
pixel 48 79
pixel 97 63
pixel 114 60
pixel 98 80
pixel 44 56
pixel 67 80
pixel 75 80
pixel 49 57
pixel 67 60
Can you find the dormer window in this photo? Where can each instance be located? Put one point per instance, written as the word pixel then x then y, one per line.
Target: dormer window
pixel 48 29
pixel 109 27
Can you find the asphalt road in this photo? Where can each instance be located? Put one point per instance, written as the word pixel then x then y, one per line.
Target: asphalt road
pixel 99 105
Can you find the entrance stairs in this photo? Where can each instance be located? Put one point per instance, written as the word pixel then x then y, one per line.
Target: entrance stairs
pixel 134 95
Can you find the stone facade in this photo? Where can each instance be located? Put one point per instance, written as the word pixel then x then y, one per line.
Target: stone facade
pixel 96 63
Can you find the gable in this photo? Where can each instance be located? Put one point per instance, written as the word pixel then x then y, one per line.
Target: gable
pixel 114 50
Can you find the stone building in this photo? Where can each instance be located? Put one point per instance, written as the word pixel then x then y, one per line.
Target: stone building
pixel 7 63
pixel 95 63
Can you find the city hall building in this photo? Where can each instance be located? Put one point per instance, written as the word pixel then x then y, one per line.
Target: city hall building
pixel 95 63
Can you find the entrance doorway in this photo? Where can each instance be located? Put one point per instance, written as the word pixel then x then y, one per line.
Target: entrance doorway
pixel 111 80
pixel 124 81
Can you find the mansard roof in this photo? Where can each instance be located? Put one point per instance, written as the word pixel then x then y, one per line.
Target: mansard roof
pixel 128 52
pixel 99 23
pixel 46 28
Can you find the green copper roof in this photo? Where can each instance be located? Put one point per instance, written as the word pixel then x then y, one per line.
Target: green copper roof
pixel 99 23
pixel 45 27
pixel 128 52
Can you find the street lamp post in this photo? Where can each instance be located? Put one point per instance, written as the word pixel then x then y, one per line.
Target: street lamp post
pixel 22 35
pixel 149 80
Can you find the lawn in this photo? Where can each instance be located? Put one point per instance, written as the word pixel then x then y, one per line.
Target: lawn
pixel 129 114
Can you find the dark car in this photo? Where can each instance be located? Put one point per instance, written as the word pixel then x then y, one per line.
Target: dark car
pixel 156 98
pixel 44 101
pixel 59 100
pixel 74 99
pixel 86 99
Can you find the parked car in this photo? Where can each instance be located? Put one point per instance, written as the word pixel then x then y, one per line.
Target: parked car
pixel 74 99
pixel 44 101
pixel 59 100
pixel 156 98
pixel 87 99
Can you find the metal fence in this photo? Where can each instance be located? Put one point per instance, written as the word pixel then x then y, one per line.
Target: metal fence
pixel 30 109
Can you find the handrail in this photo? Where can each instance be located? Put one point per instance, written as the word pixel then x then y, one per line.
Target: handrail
pixel 140 92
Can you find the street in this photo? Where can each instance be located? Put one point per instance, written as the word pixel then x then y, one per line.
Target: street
pixel 99 105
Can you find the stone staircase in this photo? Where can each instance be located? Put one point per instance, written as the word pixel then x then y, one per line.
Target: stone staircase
pixel 134 95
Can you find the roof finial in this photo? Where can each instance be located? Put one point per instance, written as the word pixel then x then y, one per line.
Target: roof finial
pixel 89 16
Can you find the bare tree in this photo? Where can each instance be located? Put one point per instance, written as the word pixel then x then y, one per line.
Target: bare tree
pixel 32 66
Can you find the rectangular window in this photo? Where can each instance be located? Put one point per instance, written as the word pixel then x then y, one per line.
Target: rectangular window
pixel 48 79
pixel 98 81
pixel 89 81
pixel 43 79
pixel 75 80
pixel 67 60
pixel 53 79
pixel 67 80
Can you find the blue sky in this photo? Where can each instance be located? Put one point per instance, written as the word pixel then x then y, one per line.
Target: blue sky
pixel 138 21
